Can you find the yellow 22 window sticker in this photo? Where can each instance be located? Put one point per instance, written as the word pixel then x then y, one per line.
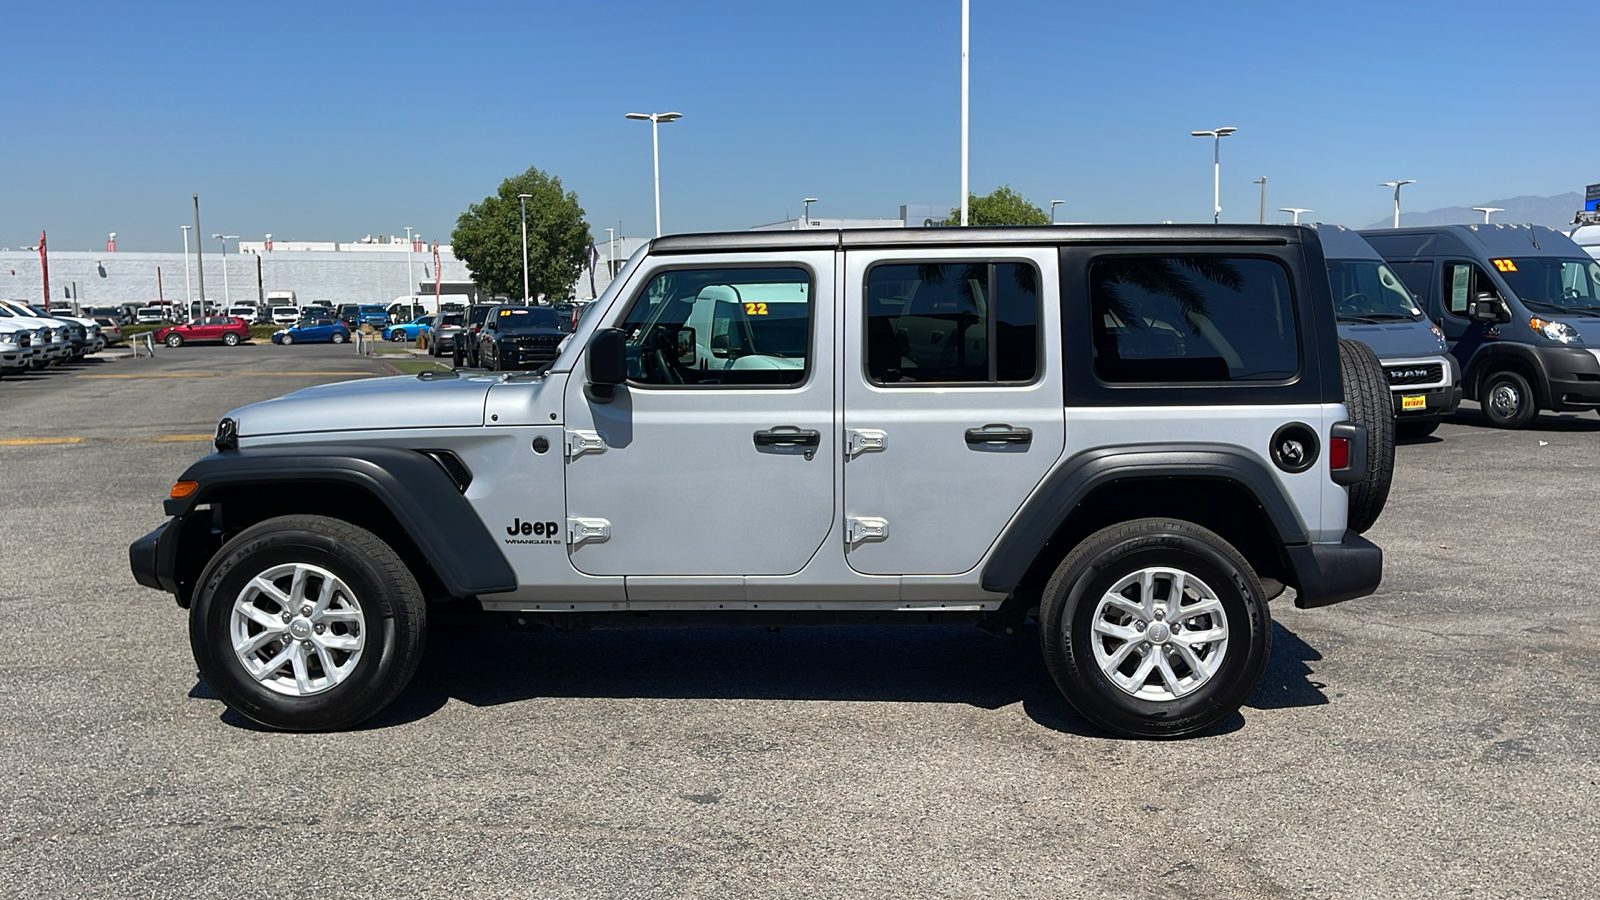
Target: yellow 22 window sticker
pixel 755 309
pixel 1504 265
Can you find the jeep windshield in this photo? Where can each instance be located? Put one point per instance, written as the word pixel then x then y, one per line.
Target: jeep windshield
pixel 514 321
pixel 1367 291
pixel 1553 283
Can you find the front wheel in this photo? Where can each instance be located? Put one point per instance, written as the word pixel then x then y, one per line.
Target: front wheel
pixel 338 337
pixel 307 623
pixel 1508 400
pixel 398 337
pixel 231 339
pixel 287 339
pixel 1155 628
pixel 174 340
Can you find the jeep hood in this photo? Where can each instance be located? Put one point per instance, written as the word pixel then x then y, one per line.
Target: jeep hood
pixel 367 404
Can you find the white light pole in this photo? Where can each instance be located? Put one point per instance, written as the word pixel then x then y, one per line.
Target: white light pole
pixel 807 214
pixel 1053 205
pixel 410 285
pixel 188 289
pixel 1263 182
pixel 1294 209
pixel 227 298
pixel 522 201
pixel 611 253
pixel 1486 210
pixel 966 20
pixel 1397 185
pixel 655 120
pixel 1216 135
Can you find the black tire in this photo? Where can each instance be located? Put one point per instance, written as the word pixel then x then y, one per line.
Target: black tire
pixel 433 349
pixel 1072 598
pixel 1508 400
pixel 231 339
pixel 1416 429
pixel 1366 397
pixel 456 353
pixel 493 363
pixel 174 340
pixel 337 337
pixel 392 621
pixel 398 337
pixel 286 340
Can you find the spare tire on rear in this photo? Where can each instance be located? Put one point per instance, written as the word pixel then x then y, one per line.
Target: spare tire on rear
pixel 1366 397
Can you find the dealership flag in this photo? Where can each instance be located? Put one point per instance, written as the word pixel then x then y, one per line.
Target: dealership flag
pixel 44 264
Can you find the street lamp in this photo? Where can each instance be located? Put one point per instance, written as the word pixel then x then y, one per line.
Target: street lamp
pixel 1397 185
pixel 1216 135
pixel 1294 209
pixel 1053 205
pixel 1263 182
pixel 611 253
pixel 411 286
pixel 966 19
pixel 522 201
pixel 807 214
pixel 188 289
pixel 1486 210
pixel 655 120
pixel 227 298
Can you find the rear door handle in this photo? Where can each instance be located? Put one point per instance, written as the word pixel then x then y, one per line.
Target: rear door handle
pixel 999 434
pixel 788 436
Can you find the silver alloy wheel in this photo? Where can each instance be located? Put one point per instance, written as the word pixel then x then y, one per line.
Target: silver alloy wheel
pixel 1159 634
pixel 1505 399
pixel 297 629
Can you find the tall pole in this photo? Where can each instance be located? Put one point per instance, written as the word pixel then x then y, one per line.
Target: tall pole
pixel 410 287
pixel 1216 179
pixel 1053 205
pixel 522 201
pixel 160 294
pixel 966 20
pixel 611 253
pixel 199 259
pixel 227 295
pixel 260 288
pixel 1397 185
pixel 655 156
pixel 188 285
pixel 1263 182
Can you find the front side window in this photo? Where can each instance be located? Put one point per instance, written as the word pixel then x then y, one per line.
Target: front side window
pixel 952 323
pixel 721 327
pixel 1463 281
pixel 1192 319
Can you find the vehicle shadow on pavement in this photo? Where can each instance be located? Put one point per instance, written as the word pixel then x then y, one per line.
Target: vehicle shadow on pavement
pixel 488 665
pixel 1572 423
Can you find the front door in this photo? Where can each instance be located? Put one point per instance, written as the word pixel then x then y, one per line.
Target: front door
pixel 953 407
pixel 717 457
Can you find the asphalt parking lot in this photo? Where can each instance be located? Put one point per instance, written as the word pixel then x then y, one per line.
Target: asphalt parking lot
pixel 1437 739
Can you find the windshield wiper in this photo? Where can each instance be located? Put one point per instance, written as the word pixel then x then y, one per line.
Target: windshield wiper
pixel 1361 320
pixel 1545 304
pixel 1394 317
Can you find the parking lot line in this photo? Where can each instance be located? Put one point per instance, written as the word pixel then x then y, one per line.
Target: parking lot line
pixel 157 439
pixel 29 442
pixel 357 374
pixel 158 375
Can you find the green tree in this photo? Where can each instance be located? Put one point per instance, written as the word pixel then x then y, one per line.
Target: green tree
pixel 1002 207
pixel 488 238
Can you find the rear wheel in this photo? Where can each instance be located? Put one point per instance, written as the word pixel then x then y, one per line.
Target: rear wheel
pixel 1155 628
pixel 307 623
pixel 174 340
pixel 1508 400
pixel 337 337
pixel 1367 399
pixel 231 339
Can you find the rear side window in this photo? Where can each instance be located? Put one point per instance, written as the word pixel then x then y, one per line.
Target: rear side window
pixel 952 323
pixel 1177 319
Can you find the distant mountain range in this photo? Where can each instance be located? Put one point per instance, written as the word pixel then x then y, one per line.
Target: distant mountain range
pixel 1555 212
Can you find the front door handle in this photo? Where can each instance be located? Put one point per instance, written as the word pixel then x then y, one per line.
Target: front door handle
pixel 788 436
pixel 999 434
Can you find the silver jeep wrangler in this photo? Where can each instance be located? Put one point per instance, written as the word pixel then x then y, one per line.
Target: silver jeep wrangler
pixel 1136 436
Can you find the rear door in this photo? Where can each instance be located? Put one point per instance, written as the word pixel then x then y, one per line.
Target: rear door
pixel 952 405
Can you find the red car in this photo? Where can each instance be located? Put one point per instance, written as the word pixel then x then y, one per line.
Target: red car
pixel 228 329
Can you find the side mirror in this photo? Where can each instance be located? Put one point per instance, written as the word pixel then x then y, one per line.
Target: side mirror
pixel 719 345
pixel 1489 309
pixel 607 359
pixel 688 353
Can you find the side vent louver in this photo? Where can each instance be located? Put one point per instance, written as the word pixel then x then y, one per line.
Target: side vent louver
pixel 452 466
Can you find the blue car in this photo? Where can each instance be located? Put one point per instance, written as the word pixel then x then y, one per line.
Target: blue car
pixel 321 330
pixel 410 330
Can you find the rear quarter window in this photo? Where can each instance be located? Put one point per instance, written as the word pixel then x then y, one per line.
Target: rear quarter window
pixel 1192 319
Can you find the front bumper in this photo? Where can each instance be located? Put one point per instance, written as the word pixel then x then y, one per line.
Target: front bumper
pixel 153 558
pixel 1437 402
pixel 1325 574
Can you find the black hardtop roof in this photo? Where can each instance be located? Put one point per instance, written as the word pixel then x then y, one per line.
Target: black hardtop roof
pixel 1339 242
pixel 846 238
pixel 1491 241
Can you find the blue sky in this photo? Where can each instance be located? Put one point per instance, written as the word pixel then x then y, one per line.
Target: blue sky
pixel 332 121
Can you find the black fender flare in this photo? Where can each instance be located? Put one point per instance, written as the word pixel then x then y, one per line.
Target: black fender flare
pixel 412 486
pixel 1075 479
pixel 1537 361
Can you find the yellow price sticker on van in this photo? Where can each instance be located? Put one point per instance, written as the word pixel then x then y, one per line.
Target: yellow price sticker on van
pixel 1416 401
pixel 1504 265
pixel 755 309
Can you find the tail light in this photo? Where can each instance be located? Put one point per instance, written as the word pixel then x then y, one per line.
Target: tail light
pixel 1339 453
pixel 1347 453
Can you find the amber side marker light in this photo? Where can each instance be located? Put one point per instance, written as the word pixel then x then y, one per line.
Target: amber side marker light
pixel 184 488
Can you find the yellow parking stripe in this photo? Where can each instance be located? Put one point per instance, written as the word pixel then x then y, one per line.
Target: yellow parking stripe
pixel 158 375
pixel 363 374
pixel 29 442
pixel 175 437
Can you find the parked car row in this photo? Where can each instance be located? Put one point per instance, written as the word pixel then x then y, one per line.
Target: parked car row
pixel 316 325
pixel 507 336
pixel 33 338
pixel 229 330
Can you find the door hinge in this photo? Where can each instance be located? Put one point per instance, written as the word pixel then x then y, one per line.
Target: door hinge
pixel 864 440
pixel 866 529
pixel 581 442
pixel 588 531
